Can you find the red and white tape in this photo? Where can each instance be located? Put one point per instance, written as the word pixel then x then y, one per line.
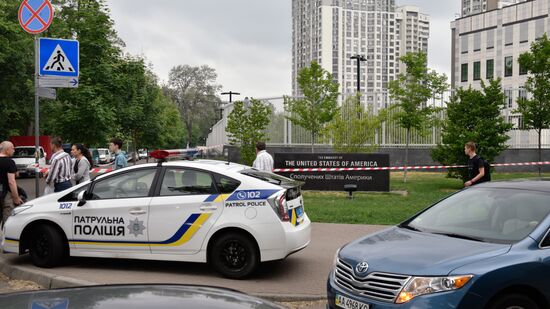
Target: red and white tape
pixel 331 169
pixel 396 168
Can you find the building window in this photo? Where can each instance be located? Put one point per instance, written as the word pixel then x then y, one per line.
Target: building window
pixel 539 28
pixel 477 42
pixel 477 70
pixel 490 69
pixel 464 39
pixel 524 32
pixel 508 98
pixel 522 70
pixel 508 66
pixel 509 35
pixel 491 39
pixel 464 72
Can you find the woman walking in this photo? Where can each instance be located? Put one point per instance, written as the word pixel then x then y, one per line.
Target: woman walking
pixel 82 164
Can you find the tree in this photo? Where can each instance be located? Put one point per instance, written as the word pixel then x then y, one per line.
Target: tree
pixel 411 91
pixel 16 73
pixel 194 91
pixel 473 115
pixel 354 127
pixel 246 126
pixel 536 111
pixel 96 101
pixel 319 103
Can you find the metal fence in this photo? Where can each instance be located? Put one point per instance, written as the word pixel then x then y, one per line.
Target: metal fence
pixel 281 131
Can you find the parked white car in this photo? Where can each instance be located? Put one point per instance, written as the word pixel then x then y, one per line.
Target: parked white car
pixel 105 156
pixel 229 215
pixel 24 156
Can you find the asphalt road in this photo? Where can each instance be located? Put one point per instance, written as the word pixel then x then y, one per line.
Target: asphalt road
pixel 300 276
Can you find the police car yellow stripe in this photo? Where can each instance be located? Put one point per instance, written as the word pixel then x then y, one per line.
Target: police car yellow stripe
pixel 193 228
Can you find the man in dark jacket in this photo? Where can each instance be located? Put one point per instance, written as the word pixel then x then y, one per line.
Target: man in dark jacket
pixel 9 195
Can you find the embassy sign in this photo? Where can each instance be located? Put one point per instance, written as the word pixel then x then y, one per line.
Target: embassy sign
pixel 335 180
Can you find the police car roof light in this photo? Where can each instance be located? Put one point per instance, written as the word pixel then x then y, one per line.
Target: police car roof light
pixel 160 154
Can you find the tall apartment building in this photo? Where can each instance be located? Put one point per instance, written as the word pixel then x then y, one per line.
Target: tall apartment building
pixel 471 7
pixel 487 46
pixel 332 31
pixel 413 31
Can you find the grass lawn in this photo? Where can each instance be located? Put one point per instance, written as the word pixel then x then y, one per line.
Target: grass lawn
pixel 423 189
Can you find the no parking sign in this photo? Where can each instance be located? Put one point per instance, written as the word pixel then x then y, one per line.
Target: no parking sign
pixel 35 16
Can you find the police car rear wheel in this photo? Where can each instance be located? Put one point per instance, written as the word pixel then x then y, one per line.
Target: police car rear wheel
pixel 47 248
pixel 234 255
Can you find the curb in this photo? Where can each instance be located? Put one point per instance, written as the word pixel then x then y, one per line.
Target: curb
pixel 46 280
pixel 49 281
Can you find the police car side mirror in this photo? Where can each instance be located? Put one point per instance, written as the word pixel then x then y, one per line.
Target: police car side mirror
pixel 81 198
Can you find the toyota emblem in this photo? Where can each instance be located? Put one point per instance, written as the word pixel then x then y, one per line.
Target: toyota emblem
pixel 362 267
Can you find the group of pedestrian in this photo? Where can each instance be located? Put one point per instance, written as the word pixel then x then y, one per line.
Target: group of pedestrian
pixel 63 168
pixel 63 171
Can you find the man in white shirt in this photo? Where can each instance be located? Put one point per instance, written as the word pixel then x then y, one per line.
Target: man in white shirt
pixel 264 161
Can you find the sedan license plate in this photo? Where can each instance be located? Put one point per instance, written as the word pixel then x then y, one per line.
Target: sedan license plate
pixel 344 302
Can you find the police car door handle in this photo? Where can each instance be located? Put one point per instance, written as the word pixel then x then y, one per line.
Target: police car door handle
pixel 208 207
pixel 137 211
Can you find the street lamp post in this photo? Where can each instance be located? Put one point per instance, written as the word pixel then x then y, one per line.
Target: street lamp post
pixel 359 58
pixel 230 93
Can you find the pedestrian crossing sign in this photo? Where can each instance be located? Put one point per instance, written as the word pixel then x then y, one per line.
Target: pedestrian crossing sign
pixel 58 57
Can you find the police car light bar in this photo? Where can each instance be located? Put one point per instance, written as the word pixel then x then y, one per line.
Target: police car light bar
pixel 172 153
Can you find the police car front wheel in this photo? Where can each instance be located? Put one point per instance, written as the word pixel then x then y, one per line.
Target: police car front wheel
pixel 47 247
pixel 235 255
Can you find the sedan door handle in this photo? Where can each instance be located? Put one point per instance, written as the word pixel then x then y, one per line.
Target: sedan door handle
pixel 137 212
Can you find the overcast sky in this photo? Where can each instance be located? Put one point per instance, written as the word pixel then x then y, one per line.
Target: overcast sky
pixel 248 42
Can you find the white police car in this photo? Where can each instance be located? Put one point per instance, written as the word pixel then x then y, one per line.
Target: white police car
pixel 229 215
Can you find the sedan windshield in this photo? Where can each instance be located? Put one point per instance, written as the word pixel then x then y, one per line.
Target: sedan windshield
pixel 485 214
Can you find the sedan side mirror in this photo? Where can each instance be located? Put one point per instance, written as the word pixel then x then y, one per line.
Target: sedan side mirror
pixel 81 198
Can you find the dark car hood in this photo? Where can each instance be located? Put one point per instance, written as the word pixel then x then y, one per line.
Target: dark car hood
pixel 135 297
pixel 400 251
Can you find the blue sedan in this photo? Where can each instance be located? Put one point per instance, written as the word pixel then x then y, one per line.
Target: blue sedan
pixel 487 246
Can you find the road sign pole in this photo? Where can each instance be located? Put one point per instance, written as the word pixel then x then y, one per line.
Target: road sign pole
pixel 36 119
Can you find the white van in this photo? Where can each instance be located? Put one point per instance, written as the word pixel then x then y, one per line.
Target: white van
pixel 105 156
pixel 24 156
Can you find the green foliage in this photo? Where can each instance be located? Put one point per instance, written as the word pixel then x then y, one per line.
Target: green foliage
pixel 473 115
pixel 354 127
pixel 117 95
pixel 319 103
pixel 16 72
pixel 412 92
pixel 246 126
pixel 536 111
pixel 194 89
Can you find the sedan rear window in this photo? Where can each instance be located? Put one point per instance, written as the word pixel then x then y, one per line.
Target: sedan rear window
pixel 487 214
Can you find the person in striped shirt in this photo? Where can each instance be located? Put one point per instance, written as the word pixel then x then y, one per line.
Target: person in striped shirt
pixel 59 172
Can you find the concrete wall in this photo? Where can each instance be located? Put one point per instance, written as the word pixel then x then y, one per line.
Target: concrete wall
pixel 420 156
